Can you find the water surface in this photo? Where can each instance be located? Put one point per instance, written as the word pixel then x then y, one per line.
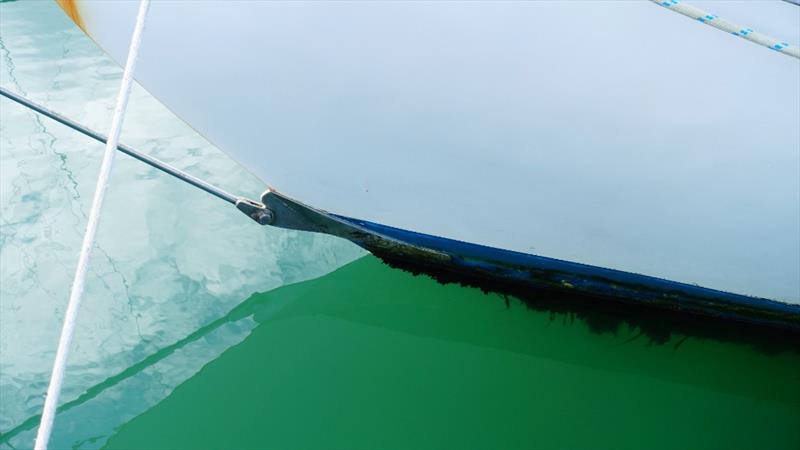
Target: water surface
pixel 367 357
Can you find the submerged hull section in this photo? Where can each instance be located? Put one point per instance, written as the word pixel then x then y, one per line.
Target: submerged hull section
pixel 615 134
pixel 521 274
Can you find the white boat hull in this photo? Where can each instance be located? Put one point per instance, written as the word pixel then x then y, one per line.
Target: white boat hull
pixel 614 134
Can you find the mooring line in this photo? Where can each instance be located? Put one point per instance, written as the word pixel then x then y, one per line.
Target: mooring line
pixel 78 283
pixel 731 27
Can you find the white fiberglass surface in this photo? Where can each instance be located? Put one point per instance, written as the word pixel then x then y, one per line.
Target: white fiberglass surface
pixel 617 134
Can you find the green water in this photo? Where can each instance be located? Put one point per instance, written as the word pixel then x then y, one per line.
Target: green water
pixel 369 357
pixel 267 338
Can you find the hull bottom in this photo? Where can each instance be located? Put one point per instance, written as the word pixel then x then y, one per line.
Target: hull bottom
pixel 536 280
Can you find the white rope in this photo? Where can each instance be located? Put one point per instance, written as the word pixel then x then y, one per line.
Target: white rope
pixel 70 318
pixel 730 27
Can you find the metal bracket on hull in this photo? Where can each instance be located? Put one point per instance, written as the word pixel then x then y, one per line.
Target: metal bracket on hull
pixel 254 210
pixel 291 214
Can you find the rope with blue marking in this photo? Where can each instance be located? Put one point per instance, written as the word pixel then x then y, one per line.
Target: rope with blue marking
pixel 730 27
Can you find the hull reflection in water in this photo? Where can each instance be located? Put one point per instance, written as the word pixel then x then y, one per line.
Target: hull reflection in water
pixel 368 357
